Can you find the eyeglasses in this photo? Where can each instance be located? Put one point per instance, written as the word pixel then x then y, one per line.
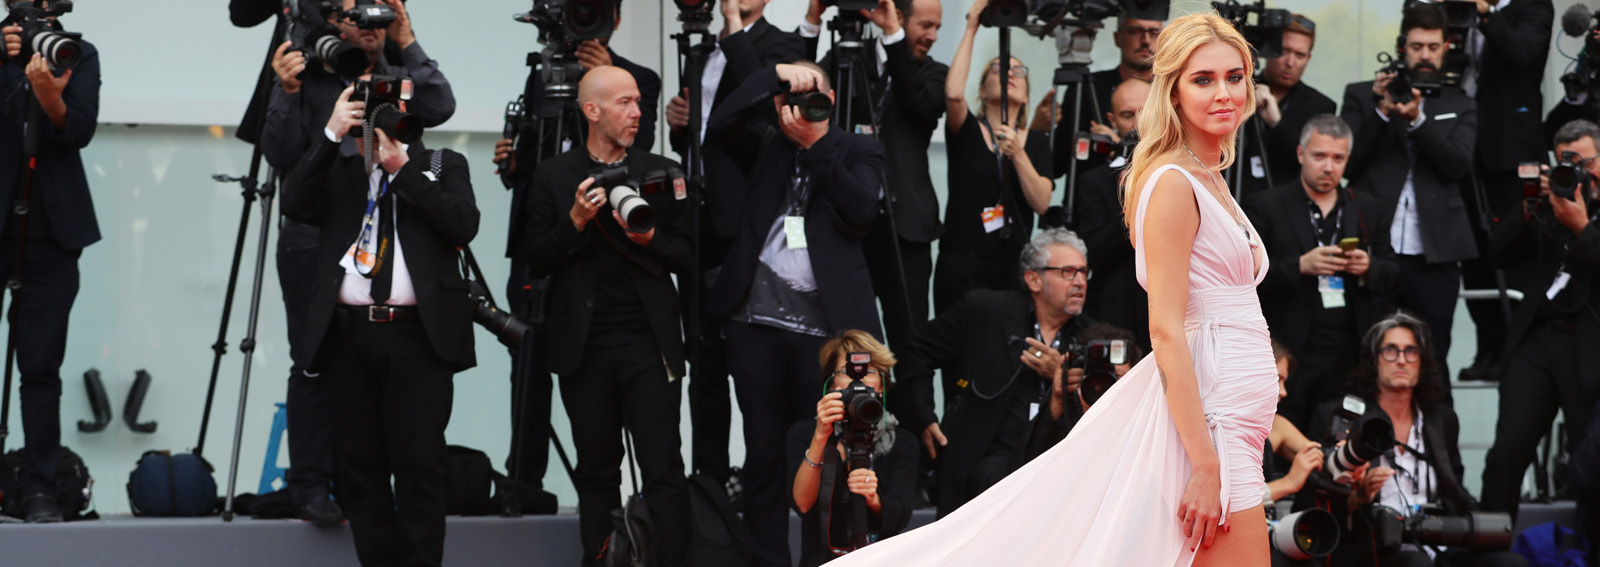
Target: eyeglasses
pixel 1067 272
pixel 1017 71
pixel 870 372
pixel 1151 33
pixel 1392 354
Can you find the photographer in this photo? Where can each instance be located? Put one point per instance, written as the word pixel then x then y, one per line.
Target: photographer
pixel 998 185
pixel 1285 103
pixel 1318 295
pixel 1552 361
pixel 300 103
pixel 59 107
pixel 822 488
pixel 1507 49
pixel 534 435
pixel 387 336
pixel 1412 156
pixel 1287 441
pixel 1119 299
pixel 796 273
pixel 905 90
pixel 1011 404
pixel 611 290
pixel 1135 39
pixel 1399 378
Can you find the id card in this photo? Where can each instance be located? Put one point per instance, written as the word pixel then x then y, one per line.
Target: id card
pixel 1256 169
pixel 1560 283
pixel 794 231
pixel 1331 288
pixel 994 218
pixel 864 129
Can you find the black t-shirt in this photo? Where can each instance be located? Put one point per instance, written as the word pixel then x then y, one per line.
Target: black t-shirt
pixel 619 315
pixel 975 186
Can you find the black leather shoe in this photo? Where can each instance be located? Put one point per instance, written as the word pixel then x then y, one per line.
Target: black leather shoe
pixel 321 512
pixel 40 508
pixel 1485 372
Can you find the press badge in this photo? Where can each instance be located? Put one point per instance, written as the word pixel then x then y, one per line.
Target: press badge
pixel 1560 283
pixel 1332 290
pixel 864 129
pixel 1256 170
pixel 794 231
pixel 994 218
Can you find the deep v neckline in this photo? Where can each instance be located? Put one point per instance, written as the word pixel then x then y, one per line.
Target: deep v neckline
pixel 1255 262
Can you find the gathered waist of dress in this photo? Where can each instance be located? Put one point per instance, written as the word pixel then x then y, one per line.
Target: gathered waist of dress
pixel 1232 306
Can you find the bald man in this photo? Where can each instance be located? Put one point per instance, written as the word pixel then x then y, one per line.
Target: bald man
pixel 1116 295
pixel 612 295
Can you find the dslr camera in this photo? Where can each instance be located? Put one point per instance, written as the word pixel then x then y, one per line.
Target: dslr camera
pixel 1568 175
pixel 626 194
pixel 308 31
pixel 863 411
pixel 42 34
pixel 813 106
pixel 1099 360
pixel 1426 79
pixel 384 95
pixel 507 327
pixel 1365 438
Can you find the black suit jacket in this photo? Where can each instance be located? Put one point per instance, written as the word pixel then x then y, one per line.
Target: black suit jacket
pixel 1115 295
pixel 846 171
pixel 1289 299
pixel 1516 43
pixel 59 180
pixel 971 338
pixel 1528 243
pixel 556 249
pixel 910 114
pixel 1441 149
pixel 1298 106
pixel 436 217
pixel 748 52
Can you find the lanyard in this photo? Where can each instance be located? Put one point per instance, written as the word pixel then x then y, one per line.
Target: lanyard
pixel 1316 224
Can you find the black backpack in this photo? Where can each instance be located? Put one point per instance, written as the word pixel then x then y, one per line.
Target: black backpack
pixel 471 483
pixel 73 485
pixel 719 538
pixel 165 485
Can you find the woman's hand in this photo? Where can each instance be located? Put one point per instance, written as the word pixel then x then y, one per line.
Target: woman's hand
pixel 1201 507
pixel 1008 143
pixel 865 483
pixel 830 409
pixel 975 11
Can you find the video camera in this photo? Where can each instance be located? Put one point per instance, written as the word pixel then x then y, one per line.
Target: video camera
pixel 42 34
pixel 1427 81
pixel 1428 525
pixel 368 15
pixel 563 24
pixel 696 15
pixel 384 95
pixel 308 31
pixel 1266 34
pixel 1578 21
pixel 1099 360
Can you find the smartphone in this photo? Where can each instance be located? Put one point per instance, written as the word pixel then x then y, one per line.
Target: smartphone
pixel 1348 244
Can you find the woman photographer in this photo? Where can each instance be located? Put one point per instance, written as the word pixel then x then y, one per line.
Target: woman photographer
pixel 822 490
pixel 999 178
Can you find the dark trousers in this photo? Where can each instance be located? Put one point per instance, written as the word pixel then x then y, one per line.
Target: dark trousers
pixel 778 381
pixel 1503 191
pixel 310 431
pixel 40 309
pixel 617 387
pixel 893 296
pixel 1540 378
pixel 1320 377
pixel 710 395
pixel 390 398
pixel 530 437
pixel 1428 291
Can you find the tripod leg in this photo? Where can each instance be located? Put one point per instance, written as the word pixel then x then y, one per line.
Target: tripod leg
pixel 220 347
pixel 248 345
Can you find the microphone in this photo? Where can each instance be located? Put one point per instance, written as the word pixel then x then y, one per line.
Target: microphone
pixel 1575 21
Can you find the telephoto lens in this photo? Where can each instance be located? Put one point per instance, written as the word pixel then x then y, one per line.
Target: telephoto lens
pixel 633 209
pixel 343 58
pixel 41 34
pixel 1368 440
pixel 1306 534
pixel 813 106
pixel 398 125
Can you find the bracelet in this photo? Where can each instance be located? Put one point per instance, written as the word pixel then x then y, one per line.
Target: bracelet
pixel 806 454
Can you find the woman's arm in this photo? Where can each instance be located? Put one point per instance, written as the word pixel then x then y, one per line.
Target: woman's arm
pixel 955 83
pixel 1287 440
pixel 1172 218
pixel 807 478
pixel 1036 188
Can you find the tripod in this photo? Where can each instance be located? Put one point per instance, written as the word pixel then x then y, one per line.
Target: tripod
pixel 32 131
pixel 692 63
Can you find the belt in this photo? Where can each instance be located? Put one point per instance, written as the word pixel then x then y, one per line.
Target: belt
pixel 380 313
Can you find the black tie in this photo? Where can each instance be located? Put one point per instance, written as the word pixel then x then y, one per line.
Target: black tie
pixel 384 280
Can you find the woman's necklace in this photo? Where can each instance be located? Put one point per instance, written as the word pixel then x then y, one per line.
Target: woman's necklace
pixel 1242 228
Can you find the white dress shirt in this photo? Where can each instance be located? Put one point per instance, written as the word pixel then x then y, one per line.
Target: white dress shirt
pixel 356 288
pixel 1405 233
pixel 1414 480
pixel 710 79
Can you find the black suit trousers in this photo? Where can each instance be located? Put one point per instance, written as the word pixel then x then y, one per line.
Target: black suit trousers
pixel 778 381
pixel 617 387
pixel 917 258
pixel 310 432
pixel 1540 378
pixel 40 309
pixel 710 395
pixel 390 398
pixel 1503 190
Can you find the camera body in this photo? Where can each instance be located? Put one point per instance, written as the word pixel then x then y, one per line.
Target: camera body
pixel 1365 439
pixel 696 15
pixel 863 411
pixel 1429 82
pixel 384 96
pixel 41 34
pixel 1266 34
pixel 1099 360
pixel 564 24
pixel 626 194
pixel 1568 175
pixel 1429 525
pixel 308 31
pixel 369 15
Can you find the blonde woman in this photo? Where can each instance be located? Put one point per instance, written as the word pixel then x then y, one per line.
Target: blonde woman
pixel 1166 468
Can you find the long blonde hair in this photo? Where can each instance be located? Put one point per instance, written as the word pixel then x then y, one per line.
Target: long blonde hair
pixel 1160 128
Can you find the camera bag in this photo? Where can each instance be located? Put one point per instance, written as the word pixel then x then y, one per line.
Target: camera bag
pixel 632 539
pixel 471 482
pixel 719 538
pixel 73 486
pixel 168 485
